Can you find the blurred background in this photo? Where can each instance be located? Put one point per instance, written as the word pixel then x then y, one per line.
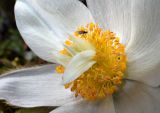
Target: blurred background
pixel 14 53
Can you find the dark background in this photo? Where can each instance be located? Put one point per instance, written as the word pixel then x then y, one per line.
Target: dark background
pixel 14 53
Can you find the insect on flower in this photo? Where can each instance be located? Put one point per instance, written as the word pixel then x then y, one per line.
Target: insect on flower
pixel 106 55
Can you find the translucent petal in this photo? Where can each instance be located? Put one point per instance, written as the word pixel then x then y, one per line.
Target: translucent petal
pixel 38 86
pixel 144 45
pixel 136 97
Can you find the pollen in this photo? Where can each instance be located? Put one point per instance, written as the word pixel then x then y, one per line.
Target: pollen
pixel 64 52
pixel 68 42
pixel 106 76
pixel 60 69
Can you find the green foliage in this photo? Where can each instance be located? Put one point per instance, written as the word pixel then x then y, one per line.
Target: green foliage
pixel 11 52
pixel 35 110
pixel 12 45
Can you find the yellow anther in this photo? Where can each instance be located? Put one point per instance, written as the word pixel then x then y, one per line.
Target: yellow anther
pixel 64 51
pixel 106 75
pixel 68 42
pixel 60 69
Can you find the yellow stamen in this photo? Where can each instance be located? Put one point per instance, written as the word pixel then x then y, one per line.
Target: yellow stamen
pixel 64 52
pixel 68 42
pixel 60 69
pixel 106 75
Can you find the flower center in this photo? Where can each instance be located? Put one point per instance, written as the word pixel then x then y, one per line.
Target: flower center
pixel 106 76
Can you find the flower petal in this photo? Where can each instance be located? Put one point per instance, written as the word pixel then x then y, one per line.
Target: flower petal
pixel 137 98
pixel 78 65
pixel 102 106
pixel 44 24
pixel 114 15
pixel 39 86
pixel 144 45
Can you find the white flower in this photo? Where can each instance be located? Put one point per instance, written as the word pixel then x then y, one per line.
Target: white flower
pixel 45 25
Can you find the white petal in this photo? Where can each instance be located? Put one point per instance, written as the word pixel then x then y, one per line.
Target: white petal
pixel 102 106
pixel 114 15
pixel 137 98
pixel 78 65
pixel 144 45
pixel 44 24
pixel 33 87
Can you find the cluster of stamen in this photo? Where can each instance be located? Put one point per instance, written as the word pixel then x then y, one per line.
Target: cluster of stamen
pixel 106 76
